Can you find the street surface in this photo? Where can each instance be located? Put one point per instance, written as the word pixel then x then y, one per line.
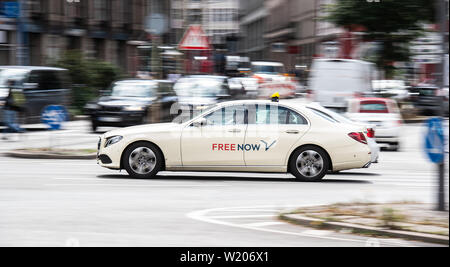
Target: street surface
pixel 77 203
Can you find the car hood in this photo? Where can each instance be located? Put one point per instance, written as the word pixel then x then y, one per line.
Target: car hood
pixel 123 101
pixel 145 129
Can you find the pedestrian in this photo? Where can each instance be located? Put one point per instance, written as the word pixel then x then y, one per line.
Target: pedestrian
pixel 13 105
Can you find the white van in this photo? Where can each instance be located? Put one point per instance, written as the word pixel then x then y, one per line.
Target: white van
pixel 334 81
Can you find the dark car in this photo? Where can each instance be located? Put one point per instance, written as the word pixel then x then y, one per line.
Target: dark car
pixel 41 87
pixel 430 100
pixel 197 92
pixel 133 102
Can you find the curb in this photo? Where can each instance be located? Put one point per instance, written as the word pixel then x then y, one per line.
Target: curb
pixel 28 155
pixel 313 222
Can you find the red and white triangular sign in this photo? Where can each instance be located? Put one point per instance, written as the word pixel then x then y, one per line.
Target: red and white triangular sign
pixel 194 39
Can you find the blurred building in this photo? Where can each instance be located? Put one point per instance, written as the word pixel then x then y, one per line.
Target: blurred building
pixel 109 30
pixel 253 16
pixel 219 18
pixel 288 31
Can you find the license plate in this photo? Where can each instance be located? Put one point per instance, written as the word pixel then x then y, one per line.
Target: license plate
pixel 109 119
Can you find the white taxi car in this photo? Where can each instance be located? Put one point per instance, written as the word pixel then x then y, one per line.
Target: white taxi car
pixel 240 136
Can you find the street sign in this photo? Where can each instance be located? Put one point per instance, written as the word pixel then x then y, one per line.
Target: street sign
pixel 156 24
pixel 435 140
pixel 54 116
pixel 10 9
pixel 194 39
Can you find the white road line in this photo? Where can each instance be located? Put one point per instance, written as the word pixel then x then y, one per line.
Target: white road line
pixel 262 224
pixel 201 216
pixel 317 232
pixel 242 216
pixel 133 185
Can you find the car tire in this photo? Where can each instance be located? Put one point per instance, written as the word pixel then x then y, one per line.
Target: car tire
pixel 395 147
pixel 309 164
pixel 142 160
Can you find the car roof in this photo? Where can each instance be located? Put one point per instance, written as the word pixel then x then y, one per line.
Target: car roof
pixel 31 68
pixel 267 63
pixel 373 99
pixel 205 76
pixel 144 81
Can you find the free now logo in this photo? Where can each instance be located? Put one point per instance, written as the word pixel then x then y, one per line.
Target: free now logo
pixel 244 147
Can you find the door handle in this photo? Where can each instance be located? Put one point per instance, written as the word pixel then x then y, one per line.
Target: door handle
pixel 292 132
pixel 234 131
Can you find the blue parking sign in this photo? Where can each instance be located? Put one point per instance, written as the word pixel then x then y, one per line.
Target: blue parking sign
pixel 54 116
pixel 435 140
pixel 11 9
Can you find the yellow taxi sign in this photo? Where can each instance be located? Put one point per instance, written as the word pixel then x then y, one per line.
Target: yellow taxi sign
pixel 276 97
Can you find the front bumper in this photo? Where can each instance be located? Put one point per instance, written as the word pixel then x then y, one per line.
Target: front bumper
pixel 117 119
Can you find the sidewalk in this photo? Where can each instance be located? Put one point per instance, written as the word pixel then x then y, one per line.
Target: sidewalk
pixel 74 135
pixel 413 221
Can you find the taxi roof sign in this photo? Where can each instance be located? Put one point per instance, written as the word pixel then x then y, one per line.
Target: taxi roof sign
pixel 194 39
pixel 276 97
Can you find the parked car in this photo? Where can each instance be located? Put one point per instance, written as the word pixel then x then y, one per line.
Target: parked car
pixel 431 100
pixel 383 114
pixel 395 89
pixel 197 92
pixel 333 81
pixel 41 87
pixel 132 102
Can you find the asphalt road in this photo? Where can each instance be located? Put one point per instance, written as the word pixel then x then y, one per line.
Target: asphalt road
pixel 77 203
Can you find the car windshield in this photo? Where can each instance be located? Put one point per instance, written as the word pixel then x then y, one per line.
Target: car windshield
pixel 267 69
pixel 428 91
pixel 373 107
pixel 133 90
pixel 199 87
pixel 12 74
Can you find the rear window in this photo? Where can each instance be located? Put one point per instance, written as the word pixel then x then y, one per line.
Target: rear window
pixel 373 107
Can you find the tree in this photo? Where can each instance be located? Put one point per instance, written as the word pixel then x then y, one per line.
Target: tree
pixel 88 77
pixel 393 24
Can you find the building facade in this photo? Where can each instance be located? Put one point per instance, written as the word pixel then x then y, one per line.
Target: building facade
pixel 253 15
pixel 219 18
pixel 39 31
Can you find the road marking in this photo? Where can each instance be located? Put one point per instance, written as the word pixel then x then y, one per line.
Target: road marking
pixel 200 215
pixel 262 224
pixel 317 232
pixel 134 185
pixel 242 216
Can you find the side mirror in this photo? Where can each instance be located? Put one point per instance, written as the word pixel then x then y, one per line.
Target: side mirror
pixel 200 122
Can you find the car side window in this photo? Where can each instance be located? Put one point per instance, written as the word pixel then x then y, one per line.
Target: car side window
pixel 271 114
pixel 233 115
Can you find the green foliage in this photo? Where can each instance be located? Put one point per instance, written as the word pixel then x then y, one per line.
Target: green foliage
pixel 391 23
pixel 88 76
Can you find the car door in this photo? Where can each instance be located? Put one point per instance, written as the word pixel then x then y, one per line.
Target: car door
pixel 272 130
pixel 214 139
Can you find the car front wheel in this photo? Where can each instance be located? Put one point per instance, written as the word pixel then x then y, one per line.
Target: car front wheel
pixel 142 160
pixel 309 164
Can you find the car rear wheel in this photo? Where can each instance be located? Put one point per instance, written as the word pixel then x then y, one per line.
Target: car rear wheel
pixel 309 164
pixel 142 160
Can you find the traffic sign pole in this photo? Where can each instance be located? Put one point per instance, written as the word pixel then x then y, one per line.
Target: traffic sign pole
pixel 441 192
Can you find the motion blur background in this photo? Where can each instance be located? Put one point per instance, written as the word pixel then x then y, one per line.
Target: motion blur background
pixel 254 48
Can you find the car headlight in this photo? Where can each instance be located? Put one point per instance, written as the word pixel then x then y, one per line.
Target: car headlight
pixel 134 108
pixel 113 140
pixel 92 106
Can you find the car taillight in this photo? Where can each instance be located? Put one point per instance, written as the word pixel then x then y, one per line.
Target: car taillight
pixel 371 133
pixel 360 137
